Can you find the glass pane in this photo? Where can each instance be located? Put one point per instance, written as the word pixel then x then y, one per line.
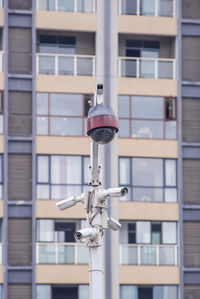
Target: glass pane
pixel 143 232
pixel 66 126
pixel 124 173
pixel 43 192
pixel 124 128
pixel 123 106
pixel 147 129
pixel 129 255
pixel 85 6
pixel 60 192
pixel 170 129
pixel 85 66
pixel 1 169
pixel 43 169
pixel 147 194
pixel 129 7
pixel 42 103
pixel 65 254
pixel 82 254
pixel 42 4
pixel 65 5
pixel 45 230
pixel 170 172
pixel 147 7
pixel 1 123
pixel 86 162
pixel 154 107
pixel 147 69
pixel 169 233
pixel 65 65
pixel 158 292
pixel 170 195
pixel 74 170
pixel 1 191
pixel 42 125
pixel 165 69
pixel 47 254
pixel 83 292
pixel 51 4
pixel 128 292
pixel 166 9
pixel 66 104
pixel 46 65
pixel 167 256
pixel 170 292
pixel 43 292
pixel 148 255
pixel 128 68
pixel 147 172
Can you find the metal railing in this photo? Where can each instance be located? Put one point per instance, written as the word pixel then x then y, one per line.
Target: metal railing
pixel 85 6
pixel 1 61
pixel 71 65
pixel 157 68
pixel 155 255
pixel 156 8
pixel 61 253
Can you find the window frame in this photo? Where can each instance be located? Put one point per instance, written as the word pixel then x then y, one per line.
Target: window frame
pixel 131 119
pixel 84 99
pixel 164 186
pixel 49 184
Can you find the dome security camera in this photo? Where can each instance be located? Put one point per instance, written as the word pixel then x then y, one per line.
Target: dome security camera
pixel 102 124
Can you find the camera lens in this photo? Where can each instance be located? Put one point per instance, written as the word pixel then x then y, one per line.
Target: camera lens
pixel 103 135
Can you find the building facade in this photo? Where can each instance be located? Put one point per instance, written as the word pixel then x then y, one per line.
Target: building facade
pixel 51 55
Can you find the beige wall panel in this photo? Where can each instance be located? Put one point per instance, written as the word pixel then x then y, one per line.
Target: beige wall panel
pixel 148 211
pixel 147 25
pixel 151 87
pixel 149 275
pixel 1 274
pixel 1 143
pixel 63 145
pixel 60 274
pixel 148 148
pixel 79 84
pixel 1 81
pixel 1 208
pixel 65 21
pixel 48 209
pixel 1 17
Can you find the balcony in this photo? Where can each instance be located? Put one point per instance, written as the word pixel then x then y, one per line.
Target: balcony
pixel 61 253
pixel 71 65
pixel 156 8
pixel 153 255
pixel 81 6
pixel 156 68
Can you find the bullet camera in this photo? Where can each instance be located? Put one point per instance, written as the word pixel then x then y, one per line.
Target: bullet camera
pixel 101 124
pixel 113 224
pixel 112 192
pixel 88 232
pixel 69 202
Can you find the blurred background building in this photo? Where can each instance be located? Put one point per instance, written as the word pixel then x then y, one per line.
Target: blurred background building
pixel 48 61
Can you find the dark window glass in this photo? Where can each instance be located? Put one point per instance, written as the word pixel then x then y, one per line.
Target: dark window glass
pixel 67 229
pixel 145 292
pixel 131 233
pixel 64 292
pixel 156 229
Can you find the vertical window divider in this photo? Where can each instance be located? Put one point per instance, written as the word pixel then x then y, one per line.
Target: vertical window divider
pixel 56 253
pixel 157 255
pixel 56 64
pixel 137 68
pixel 139 254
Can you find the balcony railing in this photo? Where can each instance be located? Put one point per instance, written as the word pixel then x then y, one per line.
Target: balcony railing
pixel 157 68
pixel 85 6
pixel 61 253
pixel 1 61
pixel 154 255
pixel 71 65
pixel 163 8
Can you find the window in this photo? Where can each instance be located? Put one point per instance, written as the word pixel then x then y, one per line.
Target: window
pixel 156 121
pixel 61 176
pixel 62 114
pixel 149 179
pixel 57 44
pixel 148 292
pixel 59 292
pixel 147 232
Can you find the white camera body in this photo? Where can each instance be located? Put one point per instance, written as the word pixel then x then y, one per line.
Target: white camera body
pixel 112 192
pixel 70 202
pixel 86 233
pixel 113 224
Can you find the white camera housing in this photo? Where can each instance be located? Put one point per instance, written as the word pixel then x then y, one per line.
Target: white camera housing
pixel 113 224
pixel 112 192
pixel 86 233
pixel 69 202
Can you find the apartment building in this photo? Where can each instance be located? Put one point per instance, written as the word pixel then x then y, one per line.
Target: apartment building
pixel 48 76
